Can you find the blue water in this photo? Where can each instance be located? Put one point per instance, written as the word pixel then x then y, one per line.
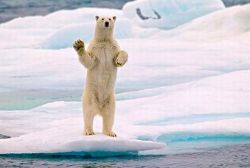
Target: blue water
pixel 13 9
pixel 195 118
pixel 230 156
pixel 182 142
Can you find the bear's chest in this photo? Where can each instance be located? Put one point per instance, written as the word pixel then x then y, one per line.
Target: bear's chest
pixel 105 54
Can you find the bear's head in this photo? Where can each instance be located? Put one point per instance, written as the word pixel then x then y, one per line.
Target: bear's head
pixel 105 23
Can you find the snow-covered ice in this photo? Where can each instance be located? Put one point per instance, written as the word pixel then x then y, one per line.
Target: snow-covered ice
pixel 170 14
pixel 220 25
pixel 189 84
pixel 69 140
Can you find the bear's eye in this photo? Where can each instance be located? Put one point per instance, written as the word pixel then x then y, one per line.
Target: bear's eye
pixel 109 19
pixel 102 18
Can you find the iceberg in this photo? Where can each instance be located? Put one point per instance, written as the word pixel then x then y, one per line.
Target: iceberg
pixel 168 14
pixel 220 25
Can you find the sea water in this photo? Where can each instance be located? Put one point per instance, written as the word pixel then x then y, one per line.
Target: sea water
pixel 229 156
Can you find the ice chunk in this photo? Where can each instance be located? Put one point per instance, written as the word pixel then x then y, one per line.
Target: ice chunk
pixel 168 14
pixel 66 36
pixel 212 95
pixel 231 22
pixel 70 139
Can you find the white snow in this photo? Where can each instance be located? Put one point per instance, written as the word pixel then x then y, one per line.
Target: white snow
pixel 190 81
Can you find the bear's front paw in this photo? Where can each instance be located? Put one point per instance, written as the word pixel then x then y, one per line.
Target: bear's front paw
pixel 111 134
pixel 121 59
pixel 78 44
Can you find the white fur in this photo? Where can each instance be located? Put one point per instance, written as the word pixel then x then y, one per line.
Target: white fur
pixel 101 59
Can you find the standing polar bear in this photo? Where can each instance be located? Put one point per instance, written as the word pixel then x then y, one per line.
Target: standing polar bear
pixel 101 59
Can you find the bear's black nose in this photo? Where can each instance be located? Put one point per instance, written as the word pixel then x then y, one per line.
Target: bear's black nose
pixel 106 24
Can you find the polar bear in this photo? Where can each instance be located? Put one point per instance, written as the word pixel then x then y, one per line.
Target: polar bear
pixel 101 59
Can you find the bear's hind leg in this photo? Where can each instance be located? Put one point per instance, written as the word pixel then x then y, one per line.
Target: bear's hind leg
pixel 90 109
pixel 88 123
pixel 108 114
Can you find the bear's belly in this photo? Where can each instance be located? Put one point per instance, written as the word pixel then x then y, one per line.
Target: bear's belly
pixel 101 85
pixel 101 78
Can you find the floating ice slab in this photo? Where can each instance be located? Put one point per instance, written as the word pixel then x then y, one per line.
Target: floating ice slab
pixel 169 14
pixel 70 141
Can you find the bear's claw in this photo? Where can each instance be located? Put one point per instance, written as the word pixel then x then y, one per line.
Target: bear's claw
pixel 111 134
pixel 119 62
pixel 87 133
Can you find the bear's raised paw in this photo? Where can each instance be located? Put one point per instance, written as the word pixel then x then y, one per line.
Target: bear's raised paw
pixel 78 44
pixel 121 60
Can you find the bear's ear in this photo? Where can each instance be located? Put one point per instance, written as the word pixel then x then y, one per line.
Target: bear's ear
pixel 96 17
pixel 114 17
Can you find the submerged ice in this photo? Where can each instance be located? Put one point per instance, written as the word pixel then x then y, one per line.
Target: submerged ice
pixel 186 85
